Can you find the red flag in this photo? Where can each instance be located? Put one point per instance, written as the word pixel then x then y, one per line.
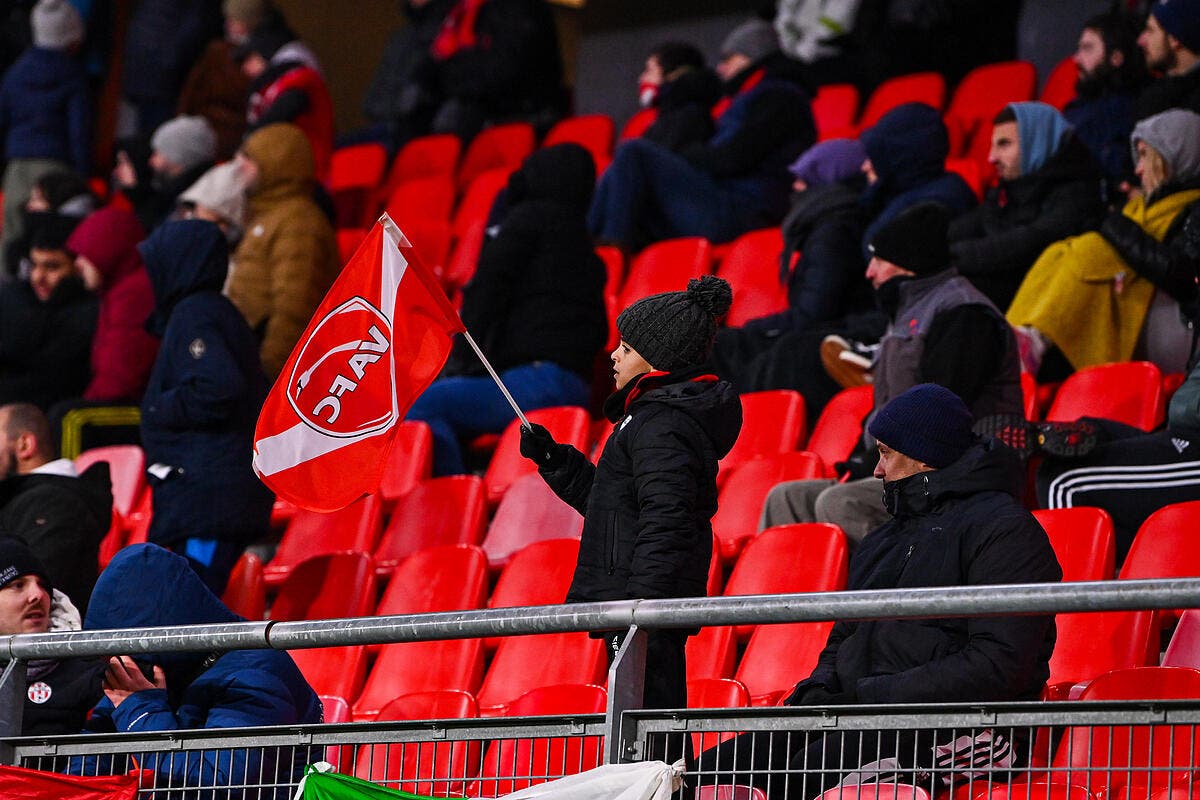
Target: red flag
pixel 376 342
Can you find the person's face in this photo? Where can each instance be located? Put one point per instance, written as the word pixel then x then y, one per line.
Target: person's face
pixel 236 31
pixel 627 364
pixel 731 65
pixel 24 606
pixel 1005 154
pixel 37 200
pixel 1156 44
pixel 247 169
pixel 8 449
pixel 868 169
pixel 1146 168
pixel 163 165
pixel 880 271
pixel 652 73
pixel 253 66
pixel 1089 53
pixel 49 269
pixel 894 466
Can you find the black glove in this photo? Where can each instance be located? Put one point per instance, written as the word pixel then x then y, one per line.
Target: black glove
pixel 539 446
pixel 818 695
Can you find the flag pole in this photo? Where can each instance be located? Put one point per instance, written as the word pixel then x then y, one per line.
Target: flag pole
pixel 503 389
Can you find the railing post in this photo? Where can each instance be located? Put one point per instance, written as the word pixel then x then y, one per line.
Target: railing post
pixel 626 683
pixel 12 707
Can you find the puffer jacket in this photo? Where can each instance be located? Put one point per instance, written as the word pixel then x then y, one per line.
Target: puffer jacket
pixel 44 109
pixel 288 257
pixel 957 526
pixel 236 689
pixel 648 503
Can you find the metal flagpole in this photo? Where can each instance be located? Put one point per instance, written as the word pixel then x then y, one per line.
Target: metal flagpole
pixel 503 389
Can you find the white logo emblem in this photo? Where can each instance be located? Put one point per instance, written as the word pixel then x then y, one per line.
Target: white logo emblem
pixel 39 692
pixel 197 348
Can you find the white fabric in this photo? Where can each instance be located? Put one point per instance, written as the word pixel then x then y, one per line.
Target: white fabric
pixel 641 780
pixel 59 466
pixel 806 26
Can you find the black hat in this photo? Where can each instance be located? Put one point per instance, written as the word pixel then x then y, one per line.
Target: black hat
pixel 674 330
pixel 928 422
pixel 916 239
pixel 16 560
pixel 266 41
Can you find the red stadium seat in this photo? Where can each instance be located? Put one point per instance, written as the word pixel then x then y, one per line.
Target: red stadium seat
pixel 357 166
pixel 438 511
pixel 348 240
pixel 727 791
pixel 1029 397
pixel 666 267
pixel 537 575
pixel 1184 649
pixel 245 592
pixel 446 578
pixel 1129 392
pixel 638 123
pixel 354 528
pixel 476 204
pixel 333 670
pixel 976 174
pixel 740 501
pixel 431 238
pixel 779 656
pixel 405 667
pixel 422 198
pixel 126 469
pixel 530 512
pixel 876 791
pixel 1083 540
pixel 1090 644
pixel 978 97
pixel 422 157
pixel 711 653
pixel 502 146
pixel 424 768
pixel 567 424
pixel 919 87
pixel 834 108
pixel 1165 546
pixel 594 132
pixel 409 461
pixel 752 269
pixel 336 710
pixel 1060 85
pixel 715 693
pixel 559 658
pixel 773 422
pixel 840 426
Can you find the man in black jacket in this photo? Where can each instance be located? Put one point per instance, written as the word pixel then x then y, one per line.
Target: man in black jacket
pixel 955 521
pixel 59 514
pixel 1171 42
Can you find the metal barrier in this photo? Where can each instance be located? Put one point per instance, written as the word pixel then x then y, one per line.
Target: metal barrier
pixel 519 751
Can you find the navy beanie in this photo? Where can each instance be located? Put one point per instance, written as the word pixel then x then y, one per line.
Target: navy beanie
pixel 928 422
pixel 16 559
pixel 1181 19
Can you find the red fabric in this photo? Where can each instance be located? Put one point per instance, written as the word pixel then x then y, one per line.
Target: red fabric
pixel 30 784
pixel 724 103
pixel 122 352
pixel 316 121
pixel 376 342
pixel 651 380
pixel 458 31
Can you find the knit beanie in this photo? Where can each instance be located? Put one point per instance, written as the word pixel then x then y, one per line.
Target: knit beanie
pixel 829 161
pixel 1175 135
pixel 16 560
pixel 928 422
pixel 1181 19
pixel 186 141
pixel 223 190
pixel 916 239
pixel 56 25
pixel 755 39
pixel 674 330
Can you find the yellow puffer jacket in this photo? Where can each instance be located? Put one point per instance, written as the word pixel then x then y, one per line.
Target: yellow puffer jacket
pixel 288 258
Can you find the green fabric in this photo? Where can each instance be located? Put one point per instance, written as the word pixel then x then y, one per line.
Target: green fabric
pixel 335 786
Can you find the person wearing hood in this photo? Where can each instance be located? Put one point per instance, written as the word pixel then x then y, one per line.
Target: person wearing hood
pixel 181 150
pixel 535 305
pixel 59 691
pixel 932 311
pixel 954 518
pixel 681 89
pixel 105 248
pixel 1050 188
pixel 218 196
pixel 733 182
pixel 1111 293
pixel 201 405
pixel 60 514
pixel 182 691
pixel 288 258
pixel 648 501
pixel 45 115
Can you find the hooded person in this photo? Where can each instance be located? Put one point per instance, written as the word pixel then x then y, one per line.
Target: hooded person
pixel 59 692
pixel 196 690
pixel 201 405
pixel 1050 188
pixel 105 247
pixel 648 501
pixel 1090 296
pixel 288 258
pixel 535 305
pixel 954 518
pixel 219 196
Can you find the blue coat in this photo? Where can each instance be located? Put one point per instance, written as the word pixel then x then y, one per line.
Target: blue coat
pixel 44 109
pixel 204 394
pixel 147 586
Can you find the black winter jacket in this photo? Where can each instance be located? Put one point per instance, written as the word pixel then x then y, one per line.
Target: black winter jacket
pixel 648 503
pixel 995 244
pixel 958 526
pixel 70 686
pixel 45 348
pixel 683 110
pixel 1170 91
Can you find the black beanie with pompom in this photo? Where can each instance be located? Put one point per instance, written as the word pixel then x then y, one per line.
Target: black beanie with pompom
pixel 674 330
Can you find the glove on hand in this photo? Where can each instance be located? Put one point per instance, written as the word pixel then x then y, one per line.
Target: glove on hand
pixel 539 446
pixel 818 695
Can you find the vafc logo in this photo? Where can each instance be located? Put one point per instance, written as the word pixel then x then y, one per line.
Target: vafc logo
pixel 341 385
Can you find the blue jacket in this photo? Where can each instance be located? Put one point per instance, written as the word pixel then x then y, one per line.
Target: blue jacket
pixel 1104 125
pixel 44 108
pixel 147 586
pixel 204 394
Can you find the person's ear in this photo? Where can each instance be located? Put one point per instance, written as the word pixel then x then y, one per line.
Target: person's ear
pixel 26 446
pixel 1116 58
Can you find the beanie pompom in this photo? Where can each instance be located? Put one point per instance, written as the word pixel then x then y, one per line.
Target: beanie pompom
pixel 711 293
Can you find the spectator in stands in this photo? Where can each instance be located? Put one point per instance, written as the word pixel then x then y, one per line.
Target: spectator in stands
pixel 1112 72
pixel 647 503
pixel 734 182
pixel 59 514
pixel 1171 43
pixel 216 90
pixel 59 692
pixel 46 324
pixel 681 89
pixel 105 248
pixel 535 305
pixel 1089 297
pixel 932 312
pixel 244 17
pixel 289 257
pixel 180 691
pixel 60 193
pixel 181 150
pixel 1050 188
pixel 284 88
pixel 219 196
pixel 955 519
pixel 45 118
pixel 199 410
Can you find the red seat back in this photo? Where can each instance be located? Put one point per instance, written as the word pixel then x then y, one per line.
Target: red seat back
pixel 430 197
pixel 778 656
pixel 327 586
pixel 529 512
pixel 126 469
pixel 1128 392
pixel 357 166
pixel 567 424
pixel 1090 644
pixel 752 269
pixel 711 653
pixel 409 461
pixel 594 132
pixel 840 426
pixel 636 125
pixel 246 592
pixel 919 87
pixel 438 511
pixel 834 108
pixel 1184 649
pixel 1060 85
pixel 348 240
pixel 404 667
pixel 425 768
pixel 977 99
pixel 740 501
pixel 354 528
pixel 333 670
pixel 1083 540
pixel 476 203
pixel 502 146
pixel 666 267
pixel 560 658
pixel 773 422
pixel 446 578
